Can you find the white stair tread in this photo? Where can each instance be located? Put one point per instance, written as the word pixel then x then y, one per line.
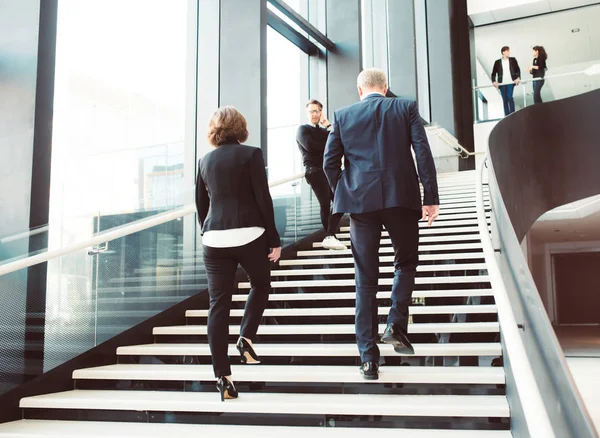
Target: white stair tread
pixel 297 374
pixel 351 311
pixel 390 250
pixel 319 329
pixel 382 281
pixel 380 295
pixel 275 403
pixel 382 269
pixel 438 224
pixel 314 350
pixel 104 429
pixel 382 259
pixel 422 232
pixel 435 239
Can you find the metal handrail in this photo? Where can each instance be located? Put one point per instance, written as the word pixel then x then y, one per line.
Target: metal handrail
pixel 528 391
pixel 452 142
pixel 109 235
pixel 590 71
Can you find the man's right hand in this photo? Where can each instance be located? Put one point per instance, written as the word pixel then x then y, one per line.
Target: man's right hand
pixel 431 213
pixel 496 84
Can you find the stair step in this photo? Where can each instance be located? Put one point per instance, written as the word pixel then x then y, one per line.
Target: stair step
pixel 390 250
pixel 382 282
pixel 313 350
pixel 382 269
pixel 335 329
pixel 382 259
pixel 333 296
pixel 175 280
pixel 310 296
pixel 439 224
pixel 275 403
pixel 434 239
pixel 423 232
pixel 93 429
pixel 297 374
pixel 351 311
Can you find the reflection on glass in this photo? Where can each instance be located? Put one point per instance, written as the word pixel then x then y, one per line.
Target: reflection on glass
pixel 118 111
pixel 286 96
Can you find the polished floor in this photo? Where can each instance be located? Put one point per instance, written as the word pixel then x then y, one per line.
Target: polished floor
pixel 581 346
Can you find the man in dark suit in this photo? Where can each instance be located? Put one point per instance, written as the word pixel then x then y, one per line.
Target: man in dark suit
pixel 505 75
pixel 379 187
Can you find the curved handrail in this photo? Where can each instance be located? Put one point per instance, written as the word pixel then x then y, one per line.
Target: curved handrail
pixel 542 157
pixel 535 413
pixel 117 233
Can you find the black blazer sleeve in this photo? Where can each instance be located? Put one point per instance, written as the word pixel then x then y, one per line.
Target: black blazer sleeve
pixel 516 67
pixel 262 195
pixel 496 71
pixel 425 163
pixel 332 160
pixel 202 198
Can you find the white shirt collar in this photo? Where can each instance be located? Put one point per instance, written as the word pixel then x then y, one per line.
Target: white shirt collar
pixel 372 92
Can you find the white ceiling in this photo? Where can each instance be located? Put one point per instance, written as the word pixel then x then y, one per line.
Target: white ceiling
pixel 567 51
pixel 484 12
pixel 568 230
pixel 574 222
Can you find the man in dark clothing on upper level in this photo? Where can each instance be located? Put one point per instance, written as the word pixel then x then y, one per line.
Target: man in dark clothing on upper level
pixel 311 139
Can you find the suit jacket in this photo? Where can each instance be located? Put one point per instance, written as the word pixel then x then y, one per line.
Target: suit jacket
pixel 515 70
pixel 375 136
pixel 232 191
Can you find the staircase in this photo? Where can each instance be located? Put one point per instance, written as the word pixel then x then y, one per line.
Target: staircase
pixel 309 383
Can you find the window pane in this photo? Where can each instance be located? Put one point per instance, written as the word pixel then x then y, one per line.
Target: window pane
pixel 287 85
pixel 119 111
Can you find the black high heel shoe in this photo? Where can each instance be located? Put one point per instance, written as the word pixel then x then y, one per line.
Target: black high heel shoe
pixel 247 353
pixel 226 388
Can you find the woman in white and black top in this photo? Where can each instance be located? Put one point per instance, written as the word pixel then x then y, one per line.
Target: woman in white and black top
pixel 235 211
pixel 538 70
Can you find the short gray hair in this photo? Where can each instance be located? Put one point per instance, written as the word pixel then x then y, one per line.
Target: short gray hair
pixel 372 78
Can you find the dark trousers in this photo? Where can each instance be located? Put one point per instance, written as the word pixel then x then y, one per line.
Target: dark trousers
pixel 221 266
pixel 537 91
pixel 507 97
pixel 318 182
pixel 365 234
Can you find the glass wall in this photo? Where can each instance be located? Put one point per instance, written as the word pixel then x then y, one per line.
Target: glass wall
pixel 118 151
pixel 119 111
pixel 287 93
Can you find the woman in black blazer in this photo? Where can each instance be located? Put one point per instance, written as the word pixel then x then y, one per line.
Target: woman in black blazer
pixel 538 70
pixel 235 211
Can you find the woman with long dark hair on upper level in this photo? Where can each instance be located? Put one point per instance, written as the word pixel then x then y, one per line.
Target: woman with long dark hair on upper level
pixel 538 70
pixel 235 211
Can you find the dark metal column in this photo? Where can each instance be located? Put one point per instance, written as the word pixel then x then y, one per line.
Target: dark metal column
pixel 40 185
pixel 345 63
pixel 450 70
pixel 243 64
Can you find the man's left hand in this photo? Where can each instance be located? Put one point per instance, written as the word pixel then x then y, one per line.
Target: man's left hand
pixel 324 121
pixel 517 81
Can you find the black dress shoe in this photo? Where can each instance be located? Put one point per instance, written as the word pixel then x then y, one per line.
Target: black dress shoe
pixel 370 370
pixel 393 335
pixel 247 353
